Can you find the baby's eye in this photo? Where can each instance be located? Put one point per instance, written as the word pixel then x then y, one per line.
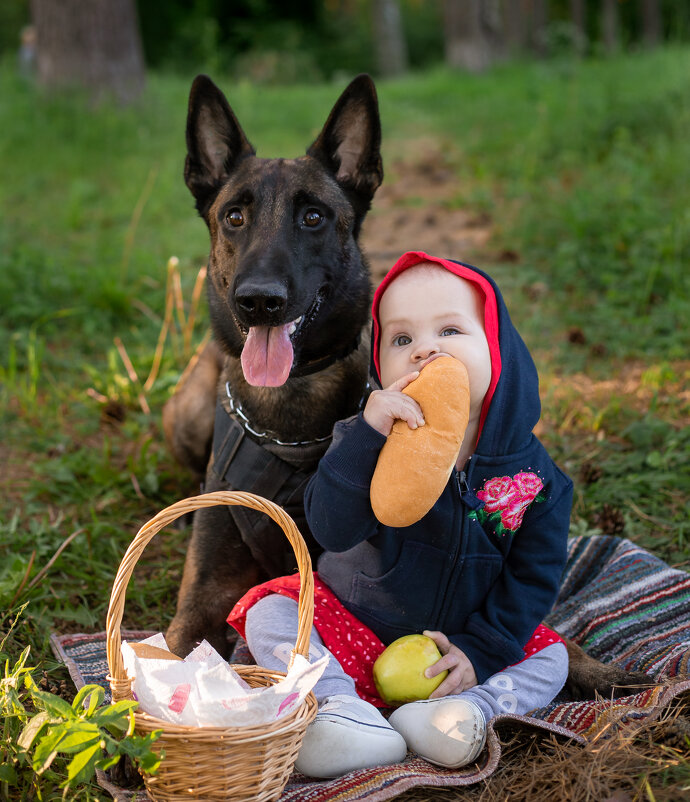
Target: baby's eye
pixel 450 331
pixel 401 339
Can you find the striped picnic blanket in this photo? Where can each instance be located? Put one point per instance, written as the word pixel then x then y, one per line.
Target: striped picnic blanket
pixel 618 601
pixel 624 605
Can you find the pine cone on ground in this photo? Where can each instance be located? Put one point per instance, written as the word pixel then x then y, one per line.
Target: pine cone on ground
pixel 674 733
pixel 590 472
pixel 610 520
pixel 56 687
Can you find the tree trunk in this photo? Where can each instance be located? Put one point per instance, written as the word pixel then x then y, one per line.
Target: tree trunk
pixel 538 20
pixel 389 38
pixel 610 25
pixel 466 45
pixel 578 17
pixel 524 24
pixel 515 28
pixel 93 44
pixel 650 13
pixel 577 14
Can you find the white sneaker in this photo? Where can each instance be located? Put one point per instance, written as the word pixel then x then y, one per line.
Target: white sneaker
pixel 449 732
pixel 348 734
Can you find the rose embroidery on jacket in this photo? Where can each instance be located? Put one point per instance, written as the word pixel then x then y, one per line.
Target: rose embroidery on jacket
pixel 507 498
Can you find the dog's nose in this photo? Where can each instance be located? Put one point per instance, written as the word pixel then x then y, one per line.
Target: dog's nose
pixel 261 304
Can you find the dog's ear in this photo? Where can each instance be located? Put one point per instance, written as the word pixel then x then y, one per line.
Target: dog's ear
pixel 349 145
pixel 215 141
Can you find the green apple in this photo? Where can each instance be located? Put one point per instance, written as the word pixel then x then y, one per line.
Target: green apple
pixel 399 670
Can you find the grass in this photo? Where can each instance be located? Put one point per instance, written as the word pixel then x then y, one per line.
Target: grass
pixel 582 169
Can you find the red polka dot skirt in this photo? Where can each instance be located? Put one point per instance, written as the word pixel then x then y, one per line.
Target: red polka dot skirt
pixel 352 643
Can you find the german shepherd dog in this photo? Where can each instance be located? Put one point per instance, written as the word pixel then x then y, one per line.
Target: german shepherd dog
pixel 289 296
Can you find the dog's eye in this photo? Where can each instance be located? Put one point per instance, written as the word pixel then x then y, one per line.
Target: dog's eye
pixel 235 218
pixel 312 218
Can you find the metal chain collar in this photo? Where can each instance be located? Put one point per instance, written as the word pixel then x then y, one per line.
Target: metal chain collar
pixel 236 409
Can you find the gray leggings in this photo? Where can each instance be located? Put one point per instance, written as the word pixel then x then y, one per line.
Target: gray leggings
pixel 271 631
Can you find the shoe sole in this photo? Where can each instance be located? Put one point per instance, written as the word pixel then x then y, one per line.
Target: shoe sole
pixel 333 747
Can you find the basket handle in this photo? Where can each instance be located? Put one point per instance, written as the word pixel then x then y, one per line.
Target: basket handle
pixel 119 681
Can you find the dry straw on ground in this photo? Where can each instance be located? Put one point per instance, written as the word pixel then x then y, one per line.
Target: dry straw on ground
pixel 169 330
pixel 649 762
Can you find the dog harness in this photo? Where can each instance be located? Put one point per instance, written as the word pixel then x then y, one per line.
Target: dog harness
pixel 258 462
pixel 275 470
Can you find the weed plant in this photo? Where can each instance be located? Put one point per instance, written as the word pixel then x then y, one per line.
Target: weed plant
pixel 48 744
pixel 582 169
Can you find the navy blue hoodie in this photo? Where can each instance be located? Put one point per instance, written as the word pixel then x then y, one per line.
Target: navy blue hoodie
pixel 484 565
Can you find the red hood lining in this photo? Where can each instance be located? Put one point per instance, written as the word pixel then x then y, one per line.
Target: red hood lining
pixel 413 258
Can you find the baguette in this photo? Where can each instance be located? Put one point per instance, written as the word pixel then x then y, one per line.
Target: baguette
pixel 414 464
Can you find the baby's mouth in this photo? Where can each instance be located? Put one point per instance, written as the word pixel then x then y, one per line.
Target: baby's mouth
pixel 431 359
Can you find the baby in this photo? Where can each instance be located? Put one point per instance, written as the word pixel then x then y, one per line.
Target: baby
pixel 477 574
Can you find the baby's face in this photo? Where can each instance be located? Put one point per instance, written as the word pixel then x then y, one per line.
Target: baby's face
pixel 428 312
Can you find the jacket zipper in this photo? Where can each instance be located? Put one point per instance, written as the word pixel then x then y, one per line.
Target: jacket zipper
pixel 462 483
pixel 465 495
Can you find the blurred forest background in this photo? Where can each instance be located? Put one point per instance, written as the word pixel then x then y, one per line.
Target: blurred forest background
pixel 544 140
pixel 285 41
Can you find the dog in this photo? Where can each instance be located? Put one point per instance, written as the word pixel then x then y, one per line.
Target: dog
pixel 289 292
pixel 289 296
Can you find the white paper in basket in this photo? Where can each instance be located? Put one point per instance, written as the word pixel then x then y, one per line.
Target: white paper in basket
pixel 203 691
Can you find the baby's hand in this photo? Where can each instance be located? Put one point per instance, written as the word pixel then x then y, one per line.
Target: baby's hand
pixel 461 674
pixel 384 407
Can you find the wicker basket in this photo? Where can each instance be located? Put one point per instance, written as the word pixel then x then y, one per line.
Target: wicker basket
pixel 219 763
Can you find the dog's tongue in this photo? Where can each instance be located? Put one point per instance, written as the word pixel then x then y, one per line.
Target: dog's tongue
pixel 267 356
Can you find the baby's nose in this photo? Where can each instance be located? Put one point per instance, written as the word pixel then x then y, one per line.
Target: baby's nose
pixel 425 350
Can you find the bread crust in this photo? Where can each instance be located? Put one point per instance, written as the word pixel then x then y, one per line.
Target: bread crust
pixel 414 464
